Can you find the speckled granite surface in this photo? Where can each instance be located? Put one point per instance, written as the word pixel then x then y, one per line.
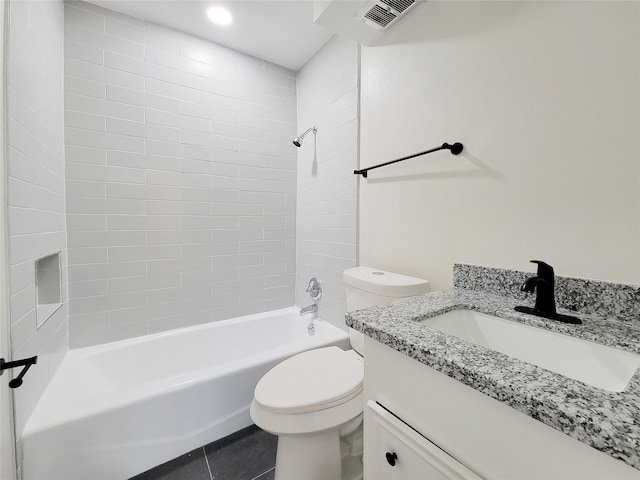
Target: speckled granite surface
pixel 609 422
pixel 605 299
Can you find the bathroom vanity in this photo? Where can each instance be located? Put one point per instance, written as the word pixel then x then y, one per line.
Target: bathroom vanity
pixel 438 406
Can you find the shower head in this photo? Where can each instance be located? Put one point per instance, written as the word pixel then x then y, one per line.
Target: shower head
pixel 298 140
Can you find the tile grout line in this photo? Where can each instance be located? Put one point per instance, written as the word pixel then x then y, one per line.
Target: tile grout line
pixel 263 473
pixel 207 462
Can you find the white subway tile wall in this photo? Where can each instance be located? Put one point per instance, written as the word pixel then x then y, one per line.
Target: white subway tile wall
pixel 328 95
pixel 36 190
pixel 181 179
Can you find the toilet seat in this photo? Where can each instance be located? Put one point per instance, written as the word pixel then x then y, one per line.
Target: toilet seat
pixel 311 381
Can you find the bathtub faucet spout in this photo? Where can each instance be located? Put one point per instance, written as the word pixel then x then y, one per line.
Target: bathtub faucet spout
pixel 313 308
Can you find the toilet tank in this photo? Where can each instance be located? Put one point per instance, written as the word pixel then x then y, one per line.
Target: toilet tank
pixel 367 287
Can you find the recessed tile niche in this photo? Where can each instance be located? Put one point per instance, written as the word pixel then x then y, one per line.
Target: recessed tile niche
pixel 48 291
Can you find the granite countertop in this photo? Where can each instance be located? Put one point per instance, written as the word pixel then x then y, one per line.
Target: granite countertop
pixel 609 422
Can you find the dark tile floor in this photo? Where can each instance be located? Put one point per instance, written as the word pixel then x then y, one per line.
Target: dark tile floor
pixel 249 454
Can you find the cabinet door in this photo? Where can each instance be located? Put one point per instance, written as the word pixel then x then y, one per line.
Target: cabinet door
pixel 395 451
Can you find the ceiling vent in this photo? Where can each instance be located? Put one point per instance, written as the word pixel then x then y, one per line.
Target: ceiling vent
pixel 383 14
pixel 364 22
pixel 379 17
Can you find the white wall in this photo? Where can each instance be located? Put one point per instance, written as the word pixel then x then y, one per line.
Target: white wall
pixel 545 98
pixel 36 186
pixel 181 178
pixel 7 433
pixel 326 214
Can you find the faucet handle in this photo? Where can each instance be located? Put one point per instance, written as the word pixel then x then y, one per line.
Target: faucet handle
pixel 545 271
pixel 314 289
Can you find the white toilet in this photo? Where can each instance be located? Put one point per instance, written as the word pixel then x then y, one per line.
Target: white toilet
pixel 313 401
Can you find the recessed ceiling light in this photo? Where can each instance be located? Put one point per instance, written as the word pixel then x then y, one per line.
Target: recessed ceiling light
pixel 219 15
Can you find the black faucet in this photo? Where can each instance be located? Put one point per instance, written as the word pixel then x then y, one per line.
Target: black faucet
pixel 544 286
pixel 544 281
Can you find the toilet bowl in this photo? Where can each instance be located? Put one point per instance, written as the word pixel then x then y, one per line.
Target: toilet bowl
pixel 313 401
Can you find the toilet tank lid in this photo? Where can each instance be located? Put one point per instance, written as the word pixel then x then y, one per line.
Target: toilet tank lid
pixel 384 283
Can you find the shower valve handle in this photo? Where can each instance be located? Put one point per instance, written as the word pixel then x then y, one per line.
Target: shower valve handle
pixel 314 289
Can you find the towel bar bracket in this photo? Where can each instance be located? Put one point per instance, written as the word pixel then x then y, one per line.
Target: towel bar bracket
pixel 25 363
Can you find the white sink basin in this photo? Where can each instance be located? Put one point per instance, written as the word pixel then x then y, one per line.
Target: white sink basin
pixel 594 364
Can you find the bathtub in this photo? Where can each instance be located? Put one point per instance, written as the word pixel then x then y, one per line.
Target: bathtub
pixel 115 410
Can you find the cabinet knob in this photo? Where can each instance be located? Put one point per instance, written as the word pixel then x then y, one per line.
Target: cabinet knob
pixel 391 458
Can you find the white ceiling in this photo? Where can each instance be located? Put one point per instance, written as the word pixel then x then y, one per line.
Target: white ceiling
pixel 281 32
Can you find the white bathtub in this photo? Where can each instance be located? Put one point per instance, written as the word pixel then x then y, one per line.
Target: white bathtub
pixel 115 410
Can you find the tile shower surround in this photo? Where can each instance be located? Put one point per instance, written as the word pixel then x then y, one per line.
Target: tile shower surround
pixel 36 187
pixel 180 177
pixel 328 94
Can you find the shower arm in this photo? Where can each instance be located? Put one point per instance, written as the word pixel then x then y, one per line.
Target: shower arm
pixel 307 131
pixel 456 148
pixel 297 141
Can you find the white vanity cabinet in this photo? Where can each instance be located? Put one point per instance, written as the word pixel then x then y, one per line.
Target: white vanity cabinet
pixel 398 452
pixel 439 428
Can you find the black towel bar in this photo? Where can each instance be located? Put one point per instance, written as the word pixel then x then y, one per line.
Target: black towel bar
pixel 456 148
